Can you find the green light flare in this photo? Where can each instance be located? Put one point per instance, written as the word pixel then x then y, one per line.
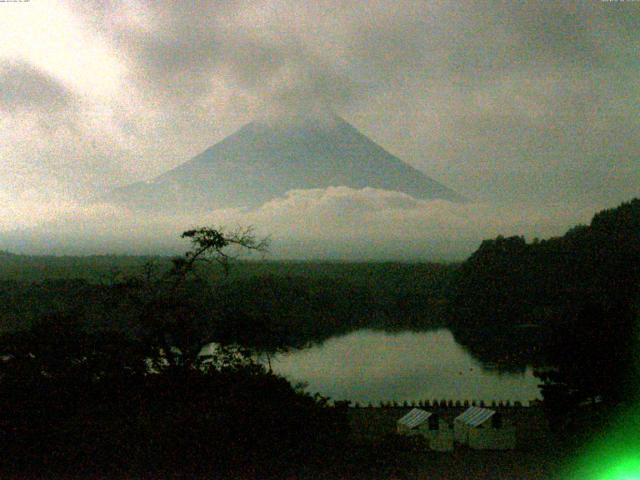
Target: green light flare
pixel 625 469
pixel 615 455
pixel 620 467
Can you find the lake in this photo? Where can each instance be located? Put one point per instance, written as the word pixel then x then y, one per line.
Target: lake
pixel 372 366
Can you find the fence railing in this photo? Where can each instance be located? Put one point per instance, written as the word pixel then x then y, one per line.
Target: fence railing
pixel 443 403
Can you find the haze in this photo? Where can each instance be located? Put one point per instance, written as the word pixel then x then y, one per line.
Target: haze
pixel 529 110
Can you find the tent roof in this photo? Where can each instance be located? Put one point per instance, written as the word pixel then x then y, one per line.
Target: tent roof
pixel 475 416
pixel 414 418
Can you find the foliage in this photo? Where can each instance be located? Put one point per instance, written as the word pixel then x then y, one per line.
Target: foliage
pixel 75 396
pixel 79 400
pixel 508 281
pixel 580 293
pixel 266 305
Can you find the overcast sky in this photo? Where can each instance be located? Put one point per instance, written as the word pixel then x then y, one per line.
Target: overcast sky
pixel 509 103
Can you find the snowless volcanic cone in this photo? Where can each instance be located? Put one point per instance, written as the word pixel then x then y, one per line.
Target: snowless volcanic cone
pixel 264 160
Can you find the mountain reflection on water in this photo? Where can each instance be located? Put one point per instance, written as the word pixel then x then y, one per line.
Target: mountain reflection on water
pixel 372 366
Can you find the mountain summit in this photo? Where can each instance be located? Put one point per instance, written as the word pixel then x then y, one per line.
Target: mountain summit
pixel 262 161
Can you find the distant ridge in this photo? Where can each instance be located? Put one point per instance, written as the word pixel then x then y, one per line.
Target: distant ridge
pixel 262 161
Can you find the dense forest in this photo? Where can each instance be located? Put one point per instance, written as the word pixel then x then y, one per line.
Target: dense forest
pixel 110 380
pixel 508 281
pixel 573 300
pixel 505 303
pixel 100 355
pixel 304 301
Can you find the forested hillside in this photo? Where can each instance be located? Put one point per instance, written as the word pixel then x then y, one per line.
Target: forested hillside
pixel 508 281
pixel 574 300
pixel 300 302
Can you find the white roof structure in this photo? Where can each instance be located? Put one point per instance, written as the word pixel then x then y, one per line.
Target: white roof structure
pixel 414 418
pixel 475 416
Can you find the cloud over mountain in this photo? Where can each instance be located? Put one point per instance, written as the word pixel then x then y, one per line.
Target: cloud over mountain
pixel 262 161
pixel 507 102
pixel 333 223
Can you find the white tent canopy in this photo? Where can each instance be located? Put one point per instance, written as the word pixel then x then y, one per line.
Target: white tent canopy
pixel 431 427
pixel 475 416
pixel 483 429
pixel 414 418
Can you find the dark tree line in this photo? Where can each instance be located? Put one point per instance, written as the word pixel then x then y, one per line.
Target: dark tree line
pixel 117 366
pixel 112 381
pixel 576 298
pixel 262 304
pixel 79 399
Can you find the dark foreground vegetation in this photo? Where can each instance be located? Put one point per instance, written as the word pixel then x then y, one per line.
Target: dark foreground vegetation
pixel 81 397
pixel 102 370
pixel 80 405
pixel 574 299
pixel 301 302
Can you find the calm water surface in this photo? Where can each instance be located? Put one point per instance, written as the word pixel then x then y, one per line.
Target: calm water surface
pixel 373 366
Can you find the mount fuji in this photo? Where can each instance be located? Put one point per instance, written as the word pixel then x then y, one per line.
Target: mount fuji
pixel 263 161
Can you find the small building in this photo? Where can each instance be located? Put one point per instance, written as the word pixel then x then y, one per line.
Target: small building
pixel 484 429
pixel 431 427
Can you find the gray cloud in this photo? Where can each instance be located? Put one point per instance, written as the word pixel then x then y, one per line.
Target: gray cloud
pixel 50 148
pixel 507 90
pixel 23 87
pixel 336 222
pixel 253 46
pixel 506 102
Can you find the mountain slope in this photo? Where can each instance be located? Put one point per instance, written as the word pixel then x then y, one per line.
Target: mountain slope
pixel 260 162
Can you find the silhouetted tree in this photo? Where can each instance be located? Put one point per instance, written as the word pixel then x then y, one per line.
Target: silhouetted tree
pixel 174 307
pixel 82 401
